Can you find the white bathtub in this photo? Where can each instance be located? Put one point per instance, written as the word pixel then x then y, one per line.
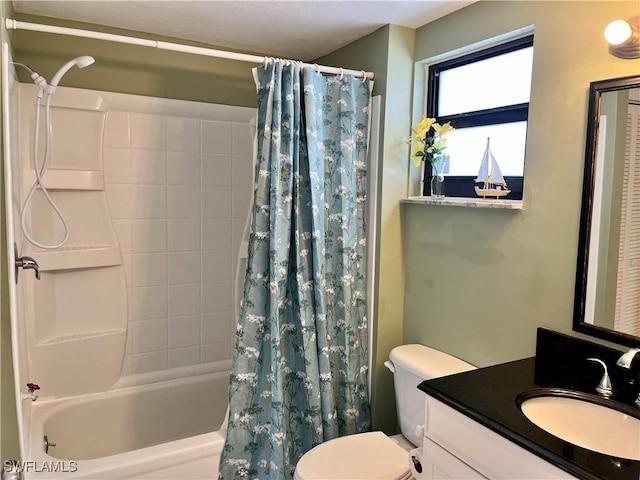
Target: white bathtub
pixel 165 430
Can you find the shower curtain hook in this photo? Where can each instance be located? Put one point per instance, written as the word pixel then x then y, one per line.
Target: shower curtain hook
pixel 364 76
pixel 317 67
pixel 341 73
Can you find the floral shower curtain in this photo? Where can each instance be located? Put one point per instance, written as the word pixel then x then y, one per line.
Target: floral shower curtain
pixel 300 366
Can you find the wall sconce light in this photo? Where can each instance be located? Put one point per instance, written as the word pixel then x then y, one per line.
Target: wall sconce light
pixel 623 38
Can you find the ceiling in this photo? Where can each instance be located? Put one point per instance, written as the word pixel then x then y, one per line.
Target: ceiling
pixel 296 29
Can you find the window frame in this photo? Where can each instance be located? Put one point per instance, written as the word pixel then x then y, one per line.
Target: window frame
pixel 459 185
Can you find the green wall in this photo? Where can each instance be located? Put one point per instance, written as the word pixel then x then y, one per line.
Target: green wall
pixel 134 69
pixel 9 448
pixel 388 53
pixel 479 282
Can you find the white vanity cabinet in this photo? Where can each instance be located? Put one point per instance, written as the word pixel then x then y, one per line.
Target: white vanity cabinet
pixel 440 464
pixel 457 447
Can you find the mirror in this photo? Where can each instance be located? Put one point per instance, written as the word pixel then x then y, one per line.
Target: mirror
pixel 607 295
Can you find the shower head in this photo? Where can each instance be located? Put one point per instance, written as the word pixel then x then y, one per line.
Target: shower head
pixel 80 62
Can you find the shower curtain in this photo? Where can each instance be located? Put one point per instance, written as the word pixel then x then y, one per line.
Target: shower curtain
pixel 300 366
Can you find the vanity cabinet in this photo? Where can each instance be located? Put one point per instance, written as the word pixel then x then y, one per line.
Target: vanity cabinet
pixel 441 465
pixel 474 418
pixel 457 447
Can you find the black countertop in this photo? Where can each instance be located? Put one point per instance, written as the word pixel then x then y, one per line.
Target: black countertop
pixel 489 396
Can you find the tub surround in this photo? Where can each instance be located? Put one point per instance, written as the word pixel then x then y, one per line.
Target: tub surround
pixel 156 195
pixel 66 315
pixel 178 180
pixel 488 396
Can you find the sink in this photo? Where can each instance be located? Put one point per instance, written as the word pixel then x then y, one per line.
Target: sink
pixel 585 420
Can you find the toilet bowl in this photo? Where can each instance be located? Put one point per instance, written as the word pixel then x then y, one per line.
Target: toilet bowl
pixel 370 455
pixel 374 455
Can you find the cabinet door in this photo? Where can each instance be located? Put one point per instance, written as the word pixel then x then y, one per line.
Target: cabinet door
pixel 441 465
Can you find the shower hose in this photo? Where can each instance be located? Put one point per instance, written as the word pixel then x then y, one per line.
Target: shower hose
pixel 39 173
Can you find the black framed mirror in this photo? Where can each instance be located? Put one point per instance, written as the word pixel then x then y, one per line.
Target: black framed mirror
pixel 607 292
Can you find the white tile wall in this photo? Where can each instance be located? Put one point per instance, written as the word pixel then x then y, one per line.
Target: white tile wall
pixel 179 191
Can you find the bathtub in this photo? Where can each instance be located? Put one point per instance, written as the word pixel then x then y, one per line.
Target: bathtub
pixel 164 430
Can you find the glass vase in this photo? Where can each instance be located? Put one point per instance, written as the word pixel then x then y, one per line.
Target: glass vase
pixel 437 180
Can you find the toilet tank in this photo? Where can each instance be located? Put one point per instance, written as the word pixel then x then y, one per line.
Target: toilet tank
pixel 412 364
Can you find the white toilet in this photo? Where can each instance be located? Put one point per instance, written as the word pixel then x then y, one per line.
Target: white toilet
pixel 373 455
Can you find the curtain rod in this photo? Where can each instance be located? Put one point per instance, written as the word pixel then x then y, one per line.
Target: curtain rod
pixel 176 47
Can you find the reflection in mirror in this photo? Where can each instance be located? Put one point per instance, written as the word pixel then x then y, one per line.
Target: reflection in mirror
pixel 607 302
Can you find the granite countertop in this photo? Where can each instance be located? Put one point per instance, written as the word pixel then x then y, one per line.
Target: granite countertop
pixel 488 396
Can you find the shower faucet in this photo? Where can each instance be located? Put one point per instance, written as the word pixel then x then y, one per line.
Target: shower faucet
pixel 27 263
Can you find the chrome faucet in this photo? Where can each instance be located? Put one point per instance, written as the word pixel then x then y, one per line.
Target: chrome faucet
pixel 604 387
pixel 626 361
pixel 627 358
pixel 26 263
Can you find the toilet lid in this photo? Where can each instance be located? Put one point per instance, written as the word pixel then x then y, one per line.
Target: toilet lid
pixel 370 456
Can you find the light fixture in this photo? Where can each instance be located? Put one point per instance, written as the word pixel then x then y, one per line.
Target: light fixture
pixel 623 38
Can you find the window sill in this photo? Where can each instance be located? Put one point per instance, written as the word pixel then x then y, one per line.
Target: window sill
pixel 466 202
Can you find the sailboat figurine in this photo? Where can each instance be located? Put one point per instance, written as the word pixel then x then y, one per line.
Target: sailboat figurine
pixel 493 184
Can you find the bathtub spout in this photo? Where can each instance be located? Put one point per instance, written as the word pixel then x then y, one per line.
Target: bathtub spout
pixel 30 395
pixel 31 392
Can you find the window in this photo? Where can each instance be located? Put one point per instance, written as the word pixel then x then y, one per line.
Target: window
pixel 484 94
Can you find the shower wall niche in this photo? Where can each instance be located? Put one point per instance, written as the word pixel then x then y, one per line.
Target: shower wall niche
pixel 156 216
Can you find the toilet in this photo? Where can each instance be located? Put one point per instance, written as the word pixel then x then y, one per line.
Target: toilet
pixel 373 455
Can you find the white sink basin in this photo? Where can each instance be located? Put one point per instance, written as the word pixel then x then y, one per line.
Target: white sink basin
pixel 586 424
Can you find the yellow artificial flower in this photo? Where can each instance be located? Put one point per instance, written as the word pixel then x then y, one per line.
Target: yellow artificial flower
pixel 442 129
pixel 439 145
pixel 423 127
pixel 427 145
pixel 417 152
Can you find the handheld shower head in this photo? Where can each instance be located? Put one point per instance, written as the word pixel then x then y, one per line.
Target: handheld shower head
pixel 80 62
pixel 84 61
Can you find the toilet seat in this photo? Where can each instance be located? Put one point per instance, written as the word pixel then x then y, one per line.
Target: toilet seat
pixel 370 456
